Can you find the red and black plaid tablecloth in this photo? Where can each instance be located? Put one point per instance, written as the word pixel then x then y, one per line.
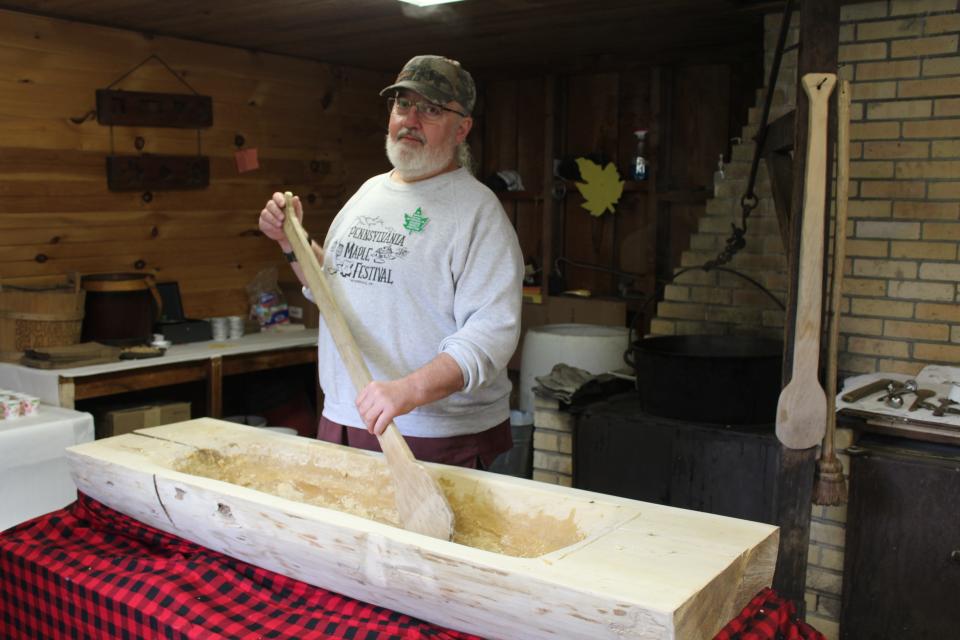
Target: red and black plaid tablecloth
pixel 768 617
pixel 87 571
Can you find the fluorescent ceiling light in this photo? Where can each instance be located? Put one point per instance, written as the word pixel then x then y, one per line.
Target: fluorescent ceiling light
pixel 428 3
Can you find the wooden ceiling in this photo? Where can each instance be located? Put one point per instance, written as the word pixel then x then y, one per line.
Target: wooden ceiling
pixel 519 35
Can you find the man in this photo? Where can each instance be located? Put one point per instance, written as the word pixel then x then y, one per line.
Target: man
pixel 428 273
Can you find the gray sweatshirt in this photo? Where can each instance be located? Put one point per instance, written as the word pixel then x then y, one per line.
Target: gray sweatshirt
pixel 420 269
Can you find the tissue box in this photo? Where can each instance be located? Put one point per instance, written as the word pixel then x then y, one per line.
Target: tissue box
pixel 301 310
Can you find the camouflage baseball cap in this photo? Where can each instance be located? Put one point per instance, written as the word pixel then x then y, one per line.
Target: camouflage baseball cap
pixel 438 79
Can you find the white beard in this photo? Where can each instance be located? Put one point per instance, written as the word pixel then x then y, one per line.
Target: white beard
pixel 413 163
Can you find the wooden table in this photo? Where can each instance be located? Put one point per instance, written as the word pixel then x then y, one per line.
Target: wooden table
pixel 205 362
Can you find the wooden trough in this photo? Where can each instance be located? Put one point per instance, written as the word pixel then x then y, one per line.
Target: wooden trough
pixel 528 559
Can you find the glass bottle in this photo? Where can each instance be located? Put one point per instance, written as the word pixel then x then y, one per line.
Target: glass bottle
pixel 638 164
pixel 718 176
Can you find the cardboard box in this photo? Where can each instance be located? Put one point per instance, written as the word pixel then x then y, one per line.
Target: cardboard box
pixel 122 420
pixel 302 311
pixel 171 412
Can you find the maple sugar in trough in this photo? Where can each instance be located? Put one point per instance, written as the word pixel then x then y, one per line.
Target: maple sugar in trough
pixel 480 521
pixel 528 559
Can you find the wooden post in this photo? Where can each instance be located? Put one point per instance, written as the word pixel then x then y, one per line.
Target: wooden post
pixel 215 387
pixel 776 153
pixel 68 393
pixel 549 206
pixel 819 45
pixel 659 146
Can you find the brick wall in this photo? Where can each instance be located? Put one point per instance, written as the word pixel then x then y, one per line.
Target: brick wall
pixel 552 442
pixel 899 310
pixel 901 287
pixel 900 284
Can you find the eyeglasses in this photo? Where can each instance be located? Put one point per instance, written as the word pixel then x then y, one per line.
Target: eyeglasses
pixel 428 111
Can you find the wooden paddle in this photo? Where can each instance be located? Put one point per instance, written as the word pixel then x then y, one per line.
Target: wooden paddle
pixel 829 484
pixel 420 501
pixel 802 407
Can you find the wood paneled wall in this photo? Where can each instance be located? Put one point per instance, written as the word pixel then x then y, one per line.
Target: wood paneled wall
pixel 509 134
pixel 691 112
pixel 318 130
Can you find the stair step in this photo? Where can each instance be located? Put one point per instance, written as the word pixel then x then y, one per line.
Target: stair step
pixel 743 152
pixel 735 187
pixel 755 113
pixel 762 257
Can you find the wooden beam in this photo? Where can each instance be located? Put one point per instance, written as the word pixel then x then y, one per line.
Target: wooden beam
pixel 819 45
pixel 778 142
pixel 780 169
pixel 557 209
pixel 268 360
pixel 794 500
pixel 549 208
pixel 115 382
pixel 780 133
pixel 215 387
pixel 661 136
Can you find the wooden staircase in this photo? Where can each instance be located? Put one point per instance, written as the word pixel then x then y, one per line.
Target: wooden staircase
pixel 717 302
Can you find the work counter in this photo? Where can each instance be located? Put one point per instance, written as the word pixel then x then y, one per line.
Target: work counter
pixel 207 362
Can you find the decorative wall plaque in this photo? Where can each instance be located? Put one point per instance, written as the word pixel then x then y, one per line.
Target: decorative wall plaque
pixel 145 109
pixel 149 173
pixel 159 173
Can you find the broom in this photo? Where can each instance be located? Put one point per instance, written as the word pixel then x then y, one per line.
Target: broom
pixel 830 487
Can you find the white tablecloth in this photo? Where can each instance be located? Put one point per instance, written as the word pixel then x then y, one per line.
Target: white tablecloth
pixel 34 477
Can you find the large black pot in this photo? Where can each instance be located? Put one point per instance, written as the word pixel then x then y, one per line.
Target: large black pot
pixel 711 379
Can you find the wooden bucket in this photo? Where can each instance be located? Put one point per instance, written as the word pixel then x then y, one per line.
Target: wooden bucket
pixel 40 312
pixel 120 308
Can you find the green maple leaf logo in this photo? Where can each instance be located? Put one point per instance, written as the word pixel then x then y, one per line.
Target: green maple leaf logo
pixel 601 188
pixel 414 222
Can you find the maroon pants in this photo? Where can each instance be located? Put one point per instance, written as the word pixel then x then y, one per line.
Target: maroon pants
pixel 475 450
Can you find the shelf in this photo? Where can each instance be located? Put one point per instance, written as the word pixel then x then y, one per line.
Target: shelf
pixel 679 196
pixel 635 185
pixel 684 196
pixel 519 196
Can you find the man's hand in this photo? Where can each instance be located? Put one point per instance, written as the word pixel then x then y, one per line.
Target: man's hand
pixel 271 218
pixel 271 224
pixel 380 402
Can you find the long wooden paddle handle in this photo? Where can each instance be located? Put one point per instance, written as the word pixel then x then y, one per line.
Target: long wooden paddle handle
pixel 818 87
pixel 839 257
pixel 336 323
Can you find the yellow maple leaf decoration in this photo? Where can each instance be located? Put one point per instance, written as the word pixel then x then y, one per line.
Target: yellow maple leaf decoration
pixel 601 188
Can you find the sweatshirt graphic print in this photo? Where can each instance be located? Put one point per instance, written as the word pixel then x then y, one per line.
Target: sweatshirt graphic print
pixel 419 269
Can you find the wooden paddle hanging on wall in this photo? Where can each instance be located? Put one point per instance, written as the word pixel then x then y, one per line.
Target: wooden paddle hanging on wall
pixel 802 408
pixel 421 503
pixel 829 486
